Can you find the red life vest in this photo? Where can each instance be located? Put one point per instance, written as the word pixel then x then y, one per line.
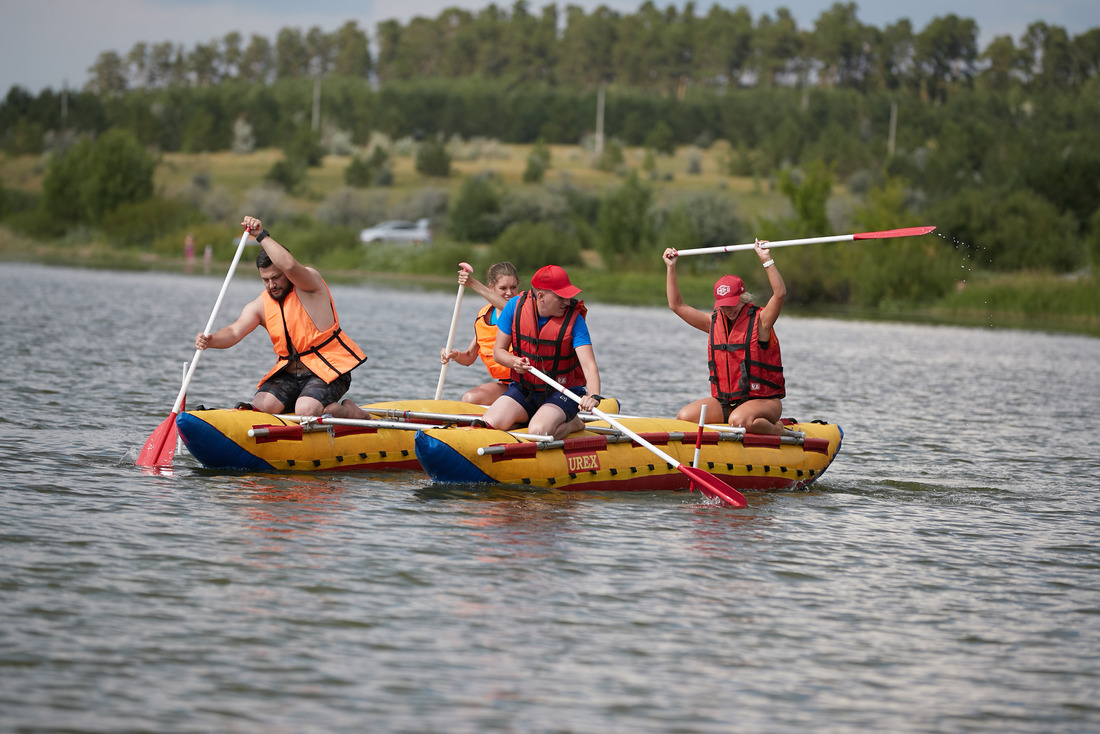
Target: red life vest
pixel 327 354
pixel 486 334
pixel 740 368
pixel 549 348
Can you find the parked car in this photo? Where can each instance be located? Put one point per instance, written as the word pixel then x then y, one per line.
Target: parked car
pixel 398 231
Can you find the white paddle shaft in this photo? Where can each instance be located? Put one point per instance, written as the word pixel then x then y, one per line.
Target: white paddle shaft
pixel 451 333
pixel 210 324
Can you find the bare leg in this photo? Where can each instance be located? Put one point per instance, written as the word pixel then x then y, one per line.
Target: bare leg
pixel 265 402
pixel 690 412
pixel 484 394
pixel 549 420
pixel 759 416
pixel 505 413
pixel 347 408
pixel 308 406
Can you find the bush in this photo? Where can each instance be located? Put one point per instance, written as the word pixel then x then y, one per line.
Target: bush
pixel 383 176
pixel 625 223
pixel 267 203
pixel 712 218
pixel 1010 230
pixel 612 157
pixel 358 173
pixel 530 246
pixel 319 244
pixel 536 169
pixel 538 162
pixel 138 224
pixel 94 177
pixel 474 217
pixel 661 138
pixel 288 174
pixel 432 159
pixel 305 148
pixel 531 205
pixel 678 231
pixel 427 202
pixel 373 171
pixel 350 208
pixel 582 204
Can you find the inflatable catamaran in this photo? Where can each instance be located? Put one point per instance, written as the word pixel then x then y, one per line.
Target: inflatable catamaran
pixel 447 440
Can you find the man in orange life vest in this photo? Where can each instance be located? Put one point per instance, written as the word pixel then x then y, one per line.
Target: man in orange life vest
pixel 314 356
pixel 545 328
pixel 746 369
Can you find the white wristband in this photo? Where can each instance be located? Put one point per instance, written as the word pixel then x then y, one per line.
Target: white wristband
pixel 769 263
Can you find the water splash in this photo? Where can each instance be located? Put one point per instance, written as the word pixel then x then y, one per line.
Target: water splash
pixel 969 253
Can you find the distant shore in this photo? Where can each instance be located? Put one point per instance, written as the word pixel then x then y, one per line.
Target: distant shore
pixel 985 306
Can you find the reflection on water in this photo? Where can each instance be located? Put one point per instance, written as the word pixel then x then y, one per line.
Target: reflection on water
pixel 941 575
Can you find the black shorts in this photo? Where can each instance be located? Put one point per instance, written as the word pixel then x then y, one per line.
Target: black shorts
pixel 532 400
pixel 728 408
pixel 287 387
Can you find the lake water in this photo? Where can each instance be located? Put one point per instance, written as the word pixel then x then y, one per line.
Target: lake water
pixel 943 575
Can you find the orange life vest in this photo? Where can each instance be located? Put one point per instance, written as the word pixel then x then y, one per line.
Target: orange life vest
pixel 549 348
pixel 740 368
pixel 327 354
pixel 486 334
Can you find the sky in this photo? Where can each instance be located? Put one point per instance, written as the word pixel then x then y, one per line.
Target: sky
pixel 51 43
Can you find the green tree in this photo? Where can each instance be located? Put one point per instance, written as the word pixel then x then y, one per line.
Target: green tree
pixel 661 139
pixel 231 56
pixel 258 62
pixel 530 245
pixel 538 161
pixel 352 52
pixel 776 45
pixel 625 224
pixel 474 216
pixel 305 148
pixel 291 55
pixel 432 158
pixel 95 177
pixel 724 46
pixel 843 45
pixel 808 193
pixel 108 75
pixel 946 52
pixel 358 173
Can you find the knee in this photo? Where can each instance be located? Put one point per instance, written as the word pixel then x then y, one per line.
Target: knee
pixel 311 408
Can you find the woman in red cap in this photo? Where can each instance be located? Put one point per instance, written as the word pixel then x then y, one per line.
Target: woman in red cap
pixel 746 369
pixel 545 328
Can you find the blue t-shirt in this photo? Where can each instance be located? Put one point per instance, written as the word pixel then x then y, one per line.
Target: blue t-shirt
pixel 581 338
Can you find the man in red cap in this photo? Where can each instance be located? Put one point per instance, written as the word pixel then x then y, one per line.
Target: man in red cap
pixel 545 328
pixel 746 369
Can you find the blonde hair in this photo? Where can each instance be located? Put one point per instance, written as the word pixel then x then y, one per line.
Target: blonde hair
pixel 501 270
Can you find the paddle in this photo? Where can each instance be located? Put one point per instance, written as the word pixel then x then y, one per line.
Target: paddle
pixel 454 326
pixel 885 234
pixel 160 447
pixel 323 422
pixel 699 435
pixel 707 483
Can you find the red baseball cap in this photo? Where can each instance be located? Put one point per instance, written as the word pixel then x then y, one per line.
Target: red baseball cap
pixel 553 278
pixel 728 290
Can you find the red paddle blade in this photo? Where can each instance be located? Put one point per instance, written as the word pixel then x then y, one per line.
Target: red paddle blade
pixel 160 447
pixel 712 486
pixel 908 232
